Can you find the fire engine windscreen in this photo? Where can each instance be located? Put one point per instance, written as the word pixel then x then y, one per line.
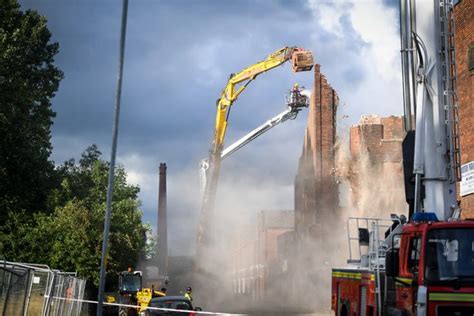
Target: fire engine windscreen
pixel 450 255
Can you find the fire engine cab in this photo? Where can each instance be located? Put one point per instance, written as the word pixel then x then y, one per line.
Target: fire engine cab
pixel 424 265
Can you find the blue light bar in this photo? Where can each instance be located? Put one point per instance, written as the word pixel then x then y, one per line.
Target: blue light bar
pixel 424 217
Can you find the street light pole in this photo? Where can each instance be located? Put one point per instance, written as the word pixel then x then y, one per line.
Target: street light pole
pixel 113 153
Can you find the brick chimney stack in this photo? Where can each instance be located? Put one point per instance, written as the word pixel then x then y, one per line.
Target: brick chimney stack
pixel 162 244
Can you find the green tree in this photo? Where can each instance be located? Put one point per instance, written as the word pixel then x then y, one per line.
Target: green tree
pixel 71 237
pixel 151 243
pixel 28 81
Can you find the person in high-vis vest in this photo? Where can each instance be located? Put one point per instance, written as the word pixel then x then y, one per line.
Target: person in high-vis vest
pixel 189 293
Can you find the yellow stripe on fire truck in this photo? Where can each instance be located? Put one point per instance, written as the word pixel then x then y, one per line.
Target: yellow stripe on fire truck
pixel 347 275
pixel 405 281
pixel 459 297
pixel 402 280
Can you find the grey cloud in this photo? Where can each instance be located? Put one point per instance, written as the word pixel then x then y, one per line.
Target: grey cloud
pixel 178 58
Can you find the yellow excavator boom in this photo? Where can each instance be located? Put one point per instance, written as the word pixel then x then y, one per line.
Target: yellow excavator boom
pixel 302 60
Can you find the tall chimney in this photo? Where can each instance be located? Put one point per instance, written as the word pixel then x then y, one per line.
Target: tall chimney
pixel 162 224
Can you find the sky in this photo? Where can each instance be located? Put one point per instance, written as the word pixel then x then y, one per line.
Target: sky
pixel 178 57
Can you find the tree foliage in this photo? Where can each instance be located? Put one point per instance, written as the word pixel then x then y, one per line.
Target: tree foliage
pixel 53 215
pixel 28 81
pixel 71 237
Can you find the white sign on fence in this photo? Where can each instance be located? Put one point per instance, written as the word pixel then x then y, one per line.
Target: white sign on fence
pixel 467 182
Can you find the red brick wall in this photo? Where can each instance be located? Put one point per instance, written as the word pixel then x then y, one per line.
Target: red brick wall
pixel 393 127
pixel 255 253
pixel 375 164
pixel 246 281
pixel 355 140
pixel 381 140
pixel 464 37
pixel 316 201
pixel 381 137
pixel 372 134
pixel 316 191
pixel 269 245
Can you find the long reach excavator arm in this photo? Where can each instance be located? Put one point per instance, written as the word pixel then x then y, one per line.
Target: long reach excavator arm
pixel 301 60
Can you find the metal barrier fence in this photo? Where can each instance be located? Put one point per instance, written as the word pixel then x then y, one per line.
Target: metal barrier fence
pixel 30 289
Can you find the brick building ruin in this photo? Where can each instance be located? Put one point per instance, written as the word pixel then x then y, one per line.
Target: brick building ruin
pixel 375 167
pixel 295 247
pixel 316 191
pixel 316 199
pixel 257 262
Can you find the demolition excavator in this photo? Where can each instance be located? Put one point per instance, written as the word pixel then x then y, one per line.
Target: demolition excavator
pixel 132 293
pixel 301 60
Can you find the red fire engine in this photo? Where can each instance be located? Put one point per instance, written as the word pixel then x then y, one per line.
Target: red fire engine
pixel 424 266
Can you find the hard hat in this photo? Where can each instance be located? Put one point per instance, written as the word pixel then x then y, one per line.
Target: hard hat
pixel 296 85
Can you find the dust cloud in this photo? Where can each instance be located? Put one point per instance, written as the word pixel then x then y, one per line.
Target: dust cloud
pixel 256 268
pixel 375 181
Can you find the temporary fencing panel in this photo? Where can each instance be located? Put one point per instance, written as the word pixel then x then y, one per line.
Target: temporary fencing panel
pixel 67 291
pixel 37 290
pixel 14 291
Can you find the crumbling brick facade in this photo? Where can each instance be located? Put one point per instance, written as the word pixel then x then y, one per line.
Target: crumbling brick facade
pixel 375 166
pixel 316 201
pixel 316 191
pixel 464 41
